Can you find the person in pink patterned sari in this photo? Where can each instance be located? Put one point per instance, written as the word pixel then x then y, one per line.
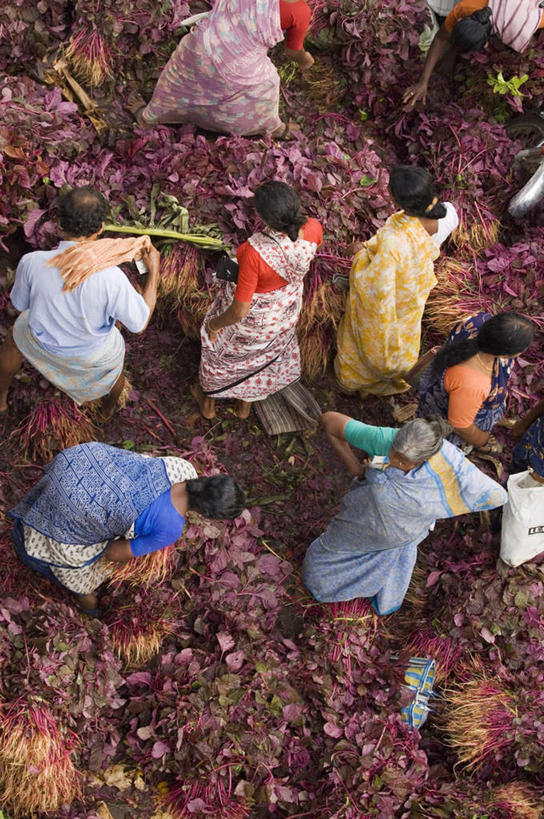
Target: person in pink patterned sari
pixel 249 342
pixel 220 77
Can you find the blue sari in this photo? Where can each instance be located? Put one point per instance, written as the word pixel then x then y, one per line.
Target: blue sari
pixel 89 495
pixel 370 547
pixel 434 400
pixel 530 450
pixel 92 492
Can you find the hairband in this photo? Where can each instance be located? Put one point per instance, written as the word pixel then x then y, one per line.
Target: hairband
pixel 431 206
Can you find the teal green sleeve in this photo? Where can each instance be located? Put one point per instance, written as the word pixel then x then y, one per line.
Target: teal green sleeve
pixel 374 440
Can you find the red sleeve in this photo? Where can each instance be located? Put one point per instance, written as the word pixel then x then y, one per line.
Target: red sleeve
pixel 312 231
pixel 295 21
pixel 248 273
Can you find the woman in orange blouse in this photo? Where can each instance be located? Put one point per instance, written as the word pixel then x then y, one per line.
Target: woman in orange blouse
pixel 249 342
pixel 468 28
pixel 468 380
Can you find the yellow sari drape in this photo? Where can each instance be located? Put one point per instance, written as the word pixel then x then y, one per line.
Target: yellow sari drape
pixel 389 282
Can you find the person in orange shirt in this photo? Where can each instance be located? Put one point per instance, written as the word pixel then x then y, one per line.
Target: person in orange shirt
pixel 467 383
pixel 468 28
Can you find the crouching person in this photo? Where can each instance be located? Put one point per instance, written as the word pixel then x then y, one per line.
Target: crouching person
pixel 70 299
pixel 369 548
pixel 97 504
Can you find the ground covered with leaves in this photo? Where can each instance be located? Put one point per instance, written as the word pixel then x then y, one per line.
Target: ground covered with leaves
pixel 224 690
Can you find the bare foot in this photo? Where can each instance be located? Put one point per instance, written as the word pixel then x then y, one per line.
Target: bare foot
pixel 136 105
pixel 243 408
pixel 206 405
pixel 88 603
pixel 286 130
pixel 507 423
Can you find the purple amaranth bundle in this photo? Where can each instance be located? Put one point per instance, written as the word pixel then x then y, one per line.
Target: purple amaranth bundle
pixel 481 713
pixel 37 772
pixel 147 570
pixel 88 56
pixel 55 424
pixel 180 269
pixel 185 799
pixel 442 649
pixel 137 629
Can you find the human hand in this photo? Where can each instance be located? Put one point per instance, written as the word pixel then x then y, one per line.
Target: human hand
pixel 492 447
pixel 519 429
pixel 355 247
pixel 212 334
pixel 305 61
pixel 152 259
pixel 413 94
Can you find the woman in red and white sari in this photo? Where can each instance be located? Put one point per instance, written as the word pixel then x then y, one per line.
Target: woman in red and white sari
pixel 249 341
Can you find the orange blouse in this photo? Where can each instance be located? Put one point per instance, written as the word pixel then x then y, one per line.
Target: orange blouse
pixel 465 8
pixel 467 390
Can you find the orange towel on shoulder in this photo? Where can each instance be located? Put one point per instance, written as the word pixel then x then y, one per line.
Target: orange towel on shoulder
pixel 81 260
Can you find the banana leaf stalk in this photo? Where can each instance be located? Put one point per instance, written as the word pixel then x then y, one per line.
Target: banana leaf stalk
pixel 207 242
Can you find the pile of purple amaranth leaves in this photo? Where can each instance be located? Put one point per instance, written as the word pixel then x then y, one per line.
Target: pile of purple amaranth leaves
pixel 225 690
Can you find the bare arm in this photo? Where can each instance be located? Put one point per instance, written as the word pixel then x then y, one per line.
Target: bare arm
pixel 475 436
pixel 119 551
pixel 524 423
pixel 232 315
pixel 438 48
pixel 334 424
pixel 151 259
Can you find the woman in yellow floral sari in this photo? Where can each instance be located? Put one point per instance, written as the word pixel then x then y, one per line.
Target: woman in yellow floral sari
pixel 389 282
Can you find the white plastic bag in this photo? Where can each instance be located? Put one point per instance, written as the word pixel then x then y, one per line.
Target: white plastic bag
pixel 522 536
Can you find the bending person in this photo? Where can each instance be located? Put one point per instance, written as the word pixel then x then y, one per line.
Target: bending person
pixel 390 279
pixel 70 299
pixel 468 27
pixel 467 383
pixel 249 341
pixel 370 547
pixel 97 504
pixel 220 76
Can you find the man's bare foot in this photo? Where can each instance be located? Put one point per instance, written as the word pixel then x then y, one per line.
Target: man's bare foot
pixel 243 408
pixel 206 405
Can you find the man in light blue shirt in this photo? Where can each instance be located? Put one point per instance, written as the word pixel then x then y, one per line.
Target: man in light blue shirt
pixel 70 336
